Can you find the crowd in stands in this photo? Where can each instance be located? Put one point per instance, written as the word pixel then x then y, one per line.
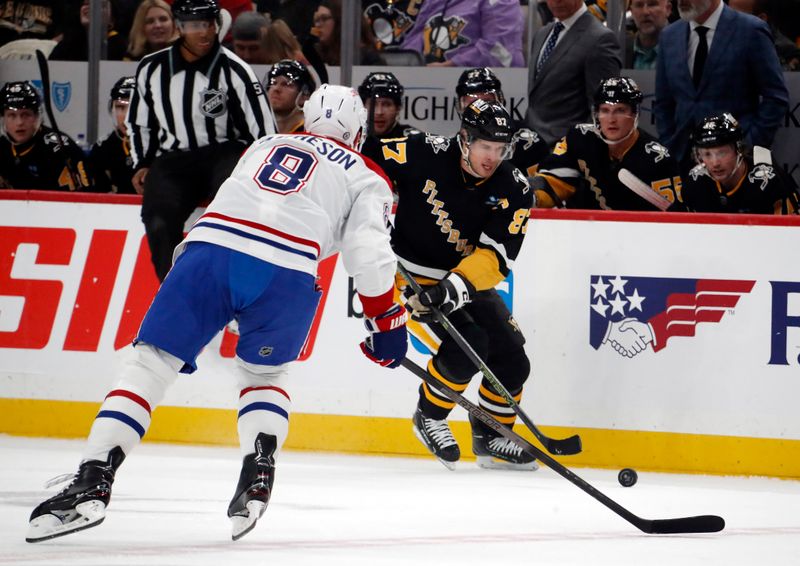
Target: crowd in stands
pixel 738 88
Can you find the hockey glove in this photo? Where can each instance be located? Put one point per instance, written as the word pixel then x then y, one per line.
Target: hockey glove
pixel 387 343
pixel 451 293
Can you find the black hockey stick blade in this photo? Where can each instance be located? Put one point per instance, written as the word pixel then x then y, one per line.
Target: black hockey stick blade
pixel 556 446
pixel 699 524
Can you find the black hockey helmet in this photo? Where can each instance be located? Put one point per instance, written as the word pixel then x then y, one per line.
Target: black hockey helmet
pixel 715 131
pixel 18 95
pixel 188 10
pixel 618 90
pixel 487 120
pixel 295 72
pixel 479 80
pixel 381 85
pixel 123 88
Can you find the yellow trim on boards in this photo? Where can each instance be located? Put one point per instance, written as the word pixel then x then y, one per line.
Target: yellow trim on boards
pixel 603 448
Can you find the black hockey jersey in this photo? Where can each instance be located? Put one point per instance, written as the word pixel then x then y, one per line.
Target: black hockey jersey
pixel 373 142
pixel 529 151
pixel 581 173
pixel 448 220
pixel 111 164
pixel 41 164
pixel 764 189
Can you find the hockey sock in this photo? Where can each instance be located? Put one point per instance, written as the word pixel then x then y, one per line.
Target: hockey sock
pixel 264 403
pixel 124 416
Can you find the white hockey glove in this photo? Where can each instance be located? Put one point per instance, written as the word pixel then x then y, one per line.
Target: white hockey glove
pixel 450 294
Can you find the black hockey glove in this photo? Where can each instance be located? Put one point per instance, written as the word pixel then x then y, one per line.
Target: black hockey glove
pixel 451 293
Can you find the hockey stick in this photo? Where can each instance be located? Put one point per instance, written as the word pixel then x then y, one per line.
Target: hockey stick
pixel 44 73
pixel 642 189
pixel 560 447
pixel 697 524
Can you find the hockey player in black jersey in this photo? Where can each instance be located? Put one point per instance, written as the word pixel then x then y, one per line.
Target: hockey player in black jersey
pixel 730 179
pixel 33 156
pixel 289 84
pixel 110 159
pixel 480 82
pixel 382 95
pixel 460 222
pixel 610 164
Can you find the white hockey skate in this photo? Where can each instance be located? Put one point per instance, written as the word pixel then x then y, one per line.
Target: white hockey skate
pixel 254 488
pixel 81 505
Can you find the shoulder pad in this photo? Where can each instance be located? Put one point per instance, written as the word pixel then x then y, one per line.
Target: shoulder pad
pixel 520 178
pixel 698 171
pixel 657 150
pixel 51 139
pixel 527 137
pixel 437 142
pixel 761 175
pixel 586 128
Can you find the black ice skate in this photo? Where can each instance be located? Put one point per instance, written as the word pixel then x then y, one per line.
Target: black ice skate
pixel 255 486
pixel 497 452
pixel 438 438
pixel 81 505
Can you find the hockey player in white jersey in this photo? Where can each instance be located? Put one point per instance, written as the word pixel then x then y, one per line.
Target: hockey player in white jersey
pixel 291 201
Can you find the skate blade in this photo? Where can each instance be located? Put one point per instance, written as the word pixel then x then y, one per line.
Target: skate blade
pixel 489 463
pixel 449 465
pixel 243 524
pixel 46 527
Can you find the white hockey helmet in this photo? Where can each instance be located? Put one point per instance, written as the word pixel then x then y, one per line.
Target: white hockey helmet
pixel 336 111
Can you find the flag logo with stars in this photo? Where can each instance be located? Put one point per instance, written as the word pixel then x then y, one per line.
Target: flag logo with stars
pixel 631 312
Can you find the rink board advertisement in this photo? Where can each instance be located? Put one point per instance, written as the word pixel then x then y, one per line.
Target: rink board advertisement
pixel 667 342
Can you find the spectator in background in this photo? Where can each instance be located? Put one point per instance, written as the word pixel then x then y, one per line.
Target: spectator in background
pixel 641 47
pixel 569 58
pixel 153 29
pixel 390 21
pixel 110 159
pixel 280 43
pixel 33 156
pixel 74 45
pixel 730 179
pixel 289 85
pixel 248 37
pixel 466 33
pixel 30 19
pixel 328 30
pixel 788 51
pixel 713 60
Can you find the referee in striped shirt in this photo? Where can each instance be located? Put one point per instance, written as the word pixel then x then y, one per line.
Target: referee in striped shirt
pixel 195 109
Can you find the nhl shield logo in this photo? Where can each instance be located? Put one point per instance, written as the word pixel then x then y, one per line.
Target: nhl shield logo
pixel 62 92
pixel 213 103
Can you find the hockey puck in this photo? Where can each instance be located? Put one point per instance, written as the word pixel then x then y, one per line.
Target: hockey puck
pixel 627 477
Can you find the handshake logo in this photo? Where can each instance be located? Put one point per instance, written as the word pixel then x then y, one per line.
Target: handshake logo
pixel 630 313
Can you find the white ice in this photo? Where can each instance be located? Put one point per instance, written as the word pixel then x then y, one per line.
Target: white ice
pixel 169 503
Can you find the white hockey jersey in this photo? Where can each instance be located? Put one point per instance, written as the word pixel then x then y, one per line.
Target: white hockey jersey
pixel 295 199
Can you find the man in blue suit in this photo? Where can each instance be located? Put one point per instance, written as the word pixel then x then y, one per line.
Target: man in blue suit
pixel 714 60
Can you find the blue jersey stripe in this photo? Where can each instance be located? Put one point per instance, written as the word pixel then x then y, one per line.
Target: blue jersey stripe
pixel 122 417
pixel 263 406
pixel 257 239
